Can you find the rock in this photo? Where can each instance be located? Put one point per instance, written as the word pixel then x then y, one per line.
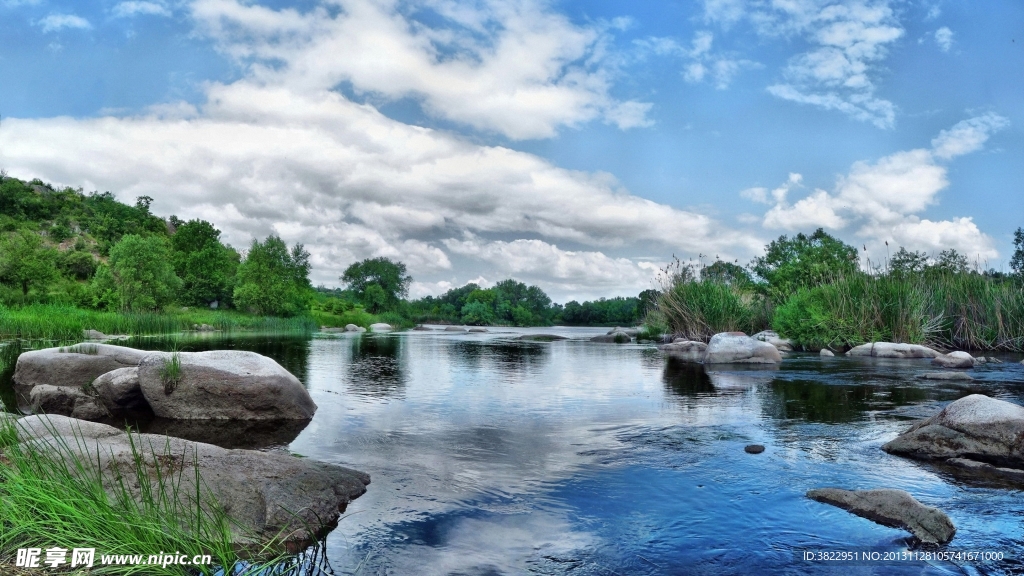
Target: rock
pixel 351 328
pixel 613 338
pixel 772 337
pixel 454 329
pixel 893 508
pixel 273 496
pixel 330 330
pixel 119 391
pixel 478 330
pixel 205 328
pixel 214 305
pixel 980 360
pixel 957 376
pixel 985 469
pixel 954 360
pixel 631 332
pixel 891 350
pixel 66 401
pixel 826 353
pixel 75 366
pixel 423 329
pixel 224 384
pixel 381 327
pixel 992 360
pixel 685 350
pixel 738 348
pixel 975 427
pixel 753 448
pixel 93 335
pixel 542 337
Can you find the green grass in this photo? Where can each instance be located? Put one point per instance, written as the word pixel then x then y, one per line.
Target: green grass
pixel 699 309
pixel 58 322
pixel 56 498
pixel 170 372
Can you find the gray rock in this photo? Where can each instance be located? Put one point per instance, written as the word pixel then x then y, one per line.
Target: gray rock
pixel 893 508
pixel 631 332
pixel 772 337
pixel 613 338
pixel 975 427
pixel 224 384
pixel 980 360
pixel 685 350
pixel 753 449
pixel 423 329
pixel 891 350
pixel 992 360
pixel 93 335
pixel 478 330
pixel 826 353
pixel 66 401
pixel 270 496
pixel 330 330
pixel 954 360
pixel 738 348
pixel 351 328
pixel 119 391
pixel 984 469
pixel 454 329
pixel 75 366
pixel 954 376
pixel 542 337
pixel 381 327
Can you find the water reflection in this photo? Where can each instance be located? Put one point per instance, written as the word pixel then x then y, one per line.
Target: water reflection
pixel 377 366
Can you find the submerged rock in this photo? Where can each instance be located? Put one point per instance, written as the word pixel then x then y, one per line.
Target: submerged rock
pixel 268 496
pixel 685 350
pixel 478 330
pixel 772 337
pixel 423 329
pixel 893 508
pixel 954 360
pixel 975 427
pixel 954 376
pixel 542 337
pixel 613 338
pixel 454 329
pixel 892 350
pixel 223 384
pixel 738 348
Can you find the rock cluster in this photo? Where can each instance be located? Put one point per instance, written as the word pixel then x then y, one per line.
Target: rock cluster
pixel 724 348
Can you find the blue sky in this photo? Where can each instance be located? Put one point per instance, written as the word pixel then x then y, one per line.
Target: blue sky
pixel 576 145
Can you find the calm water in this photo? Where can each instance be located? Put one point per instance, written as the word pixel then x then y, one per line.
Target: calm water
pixel 492 456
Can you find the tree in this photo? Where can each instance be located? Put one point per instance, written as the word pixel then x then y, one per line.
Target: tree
pixel 726 273
pixel 206 267
pixel 1017 261
pixel 273 280
pixel 951 261
pixel 389 278
pixel 907 262
pixel 803 261
pixel 140 272
pixel 25 262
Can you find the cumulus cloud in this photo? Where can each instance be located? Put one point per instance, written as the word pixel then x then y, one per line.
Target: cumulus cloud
pixel 944 38
pixel 700 63
pixel 279 151
pixel 134 8
pixel 883 199
pixel 511 67
pixel 57 22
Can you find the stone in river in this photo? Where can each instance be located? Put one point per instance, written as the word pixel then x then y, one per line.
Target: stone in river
pixel 893 508
pixel 753 448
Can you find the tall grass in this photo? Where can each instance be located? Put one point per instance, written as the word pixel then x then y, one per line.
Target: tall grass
pixel 699 309
pixel 54 496
pixel 58 322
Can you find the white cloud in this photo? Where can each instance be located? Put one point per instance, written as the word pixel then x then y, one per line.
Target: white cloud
pixel 701 62
pixel 57 22
pixel 512 67
pixel 134 8
pixel 883 199
pixel 944 38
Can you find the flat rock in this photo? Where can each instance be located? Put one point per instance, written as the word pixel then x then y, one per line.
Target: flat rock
pixel 772 337
pixel 542 337
pixel 893 508
pixel 892 350
pixel 954 376
pixel 423 329
pixel 381 327
pixel 826 353
pixel 738 348
pixel 975 427
pixel 66 401
pixel 73 366
pixel 454 329
pixel 270 496
pixel 224 384
pixel 954 360
pixel 685 350
pixel 631 332
pixel 613 338
pixel 478 330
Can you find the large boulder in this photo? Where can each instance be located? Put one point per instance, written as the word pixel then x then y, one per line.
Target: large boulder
pixel 613 338
pixel 738 348
pixel 974 427
pixel 954 360
pixel 66 401
pixel 268 496
pixel 772 337
pixel 70 366
pixel 685 350
pixel 222 384
pixel 893 508
pixel 892 350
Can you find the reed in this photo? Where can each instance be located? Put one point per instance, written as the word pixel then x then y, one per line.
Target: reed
pixel 698 309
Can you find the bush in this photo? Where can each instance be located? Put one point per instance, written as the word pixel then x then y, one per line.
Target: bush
pixel 699 309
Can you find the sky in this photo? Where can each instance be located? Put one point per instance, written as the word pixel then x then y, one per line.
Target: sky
pixel 576 145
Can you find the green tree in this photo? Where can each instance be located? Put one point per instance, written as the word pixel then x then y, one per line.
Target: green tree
pixel 206 266
pixel 803 261
pixel 25 262
pixel 950 262
pixel 379 283
pixel 1017 261
pixel 907 262
pixel 272 280
pixel 727 273
pixel 140 273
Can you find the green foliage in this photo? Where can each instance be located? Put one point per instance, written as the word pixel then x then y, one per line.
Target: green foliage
pixel 478 313
pixel 273 280
pixel 140 274
pixel 727 273
pixel 617 311
pixel 801 262
pixel 77 264
pixel 26 262
pixel 1017 260
pixel 170 372
pixel 379 283
pixel 907 262
pixel 699 309
pixel 206 267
